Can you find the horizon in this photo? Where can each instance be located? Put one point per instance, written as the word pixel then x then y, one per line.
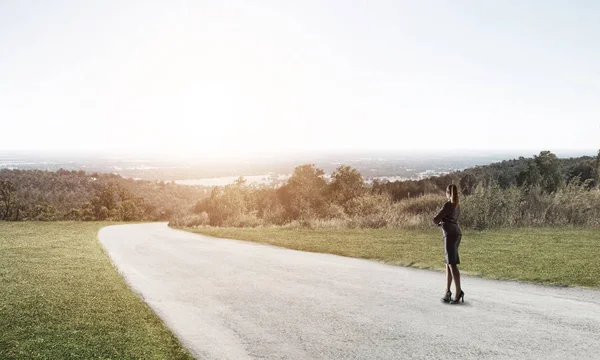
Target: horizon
pixel 117 153
pixel 299 76
pixel 207 171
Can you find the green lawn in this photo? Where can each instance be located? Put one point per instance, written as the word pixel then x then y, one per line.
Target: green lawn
pixel 550 256
pixel 61 298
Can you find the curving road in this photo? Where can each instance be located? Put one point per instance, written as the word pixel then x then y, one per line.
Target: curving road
pixel 229 299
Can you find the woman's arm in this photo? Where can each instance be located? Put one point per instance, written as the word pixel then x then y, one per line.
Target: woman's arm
pixel 443 212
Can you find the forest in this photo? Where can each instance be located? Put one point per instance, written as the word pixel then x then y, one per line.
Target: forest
pixel 77 195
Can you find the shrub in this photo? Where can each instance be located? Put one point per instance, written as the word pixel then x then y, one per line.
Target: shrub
pixel 243 220
pixel 369 204
pixel 490 207
pixel 332 211
pixel 427 204
pixel 190 220
pixel 574 205
pixel 275 215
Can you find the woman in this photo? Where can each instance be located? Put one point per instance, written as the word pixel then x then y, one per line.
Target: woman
pixel 447 218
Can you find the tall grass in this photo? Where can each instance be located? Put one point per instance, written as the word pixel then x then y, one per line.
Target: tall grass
pixel 365 211
pixel 492 207
pixel 487 207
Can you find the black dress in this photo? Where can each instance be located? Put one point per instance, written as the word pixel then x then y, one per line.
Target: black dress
pixel 448 219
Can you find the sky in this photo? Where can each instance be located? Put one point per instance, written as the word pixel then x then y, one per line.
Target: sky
pixel 234 77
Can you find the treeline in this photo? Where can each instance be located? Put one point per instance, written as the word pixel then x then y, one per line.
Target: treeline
pixel 543 190
pixel 77 195
pixel 544 170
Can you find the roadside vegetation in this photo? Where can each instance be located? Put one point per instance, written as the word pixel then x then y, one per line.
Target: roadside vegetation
pixel 543 191
pixel 61 298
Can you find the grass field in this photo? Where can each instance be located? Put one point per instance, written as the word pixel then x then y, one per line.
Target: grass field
pixel 551 256
pixel 61 298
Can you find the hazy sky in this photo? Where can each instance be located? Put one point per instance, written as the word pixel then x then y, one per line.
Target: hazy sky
pixel 234 76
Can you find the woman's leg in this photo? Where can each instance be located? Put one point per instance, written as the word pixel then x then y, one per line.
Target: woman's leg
pixel 448 278
pixel 456 276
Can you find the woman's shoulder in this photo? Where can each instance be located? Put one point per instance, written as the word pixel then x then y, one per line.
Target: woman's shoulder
pixel 446 205
pixel 450 205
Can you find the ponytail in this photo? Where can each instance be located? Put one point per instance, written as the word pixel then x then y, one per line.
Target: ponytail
pixel 453 191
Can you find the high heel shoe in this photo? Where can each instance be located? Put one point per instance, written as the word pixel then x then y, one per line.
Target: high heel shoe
pixel 458 298
pixel 448 297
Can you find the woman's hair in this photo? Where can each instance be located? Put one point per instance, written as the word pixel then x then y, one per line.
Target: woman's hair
pixel 453 191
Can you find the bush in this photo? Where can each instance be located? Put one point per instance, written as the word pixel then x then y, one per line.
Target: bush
pixel 244 221
pixel 491 207
pixel 191 220
pixel 44 212
pixel 369 204
pixel 128 211
pixel 573 205
pixel 332 211
pixel 428 204
pixel 275 215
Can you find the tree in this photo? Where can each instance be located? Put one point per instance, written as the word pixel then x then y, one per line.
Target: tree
pixel 8 199
pixel 583 170
pixel 467 184
pixel 224 202
pixel 505 180
pixel 304 193
pixel 548 166
pixel 44 212
pixel 128 210
pixel 346 184
pixel 530 176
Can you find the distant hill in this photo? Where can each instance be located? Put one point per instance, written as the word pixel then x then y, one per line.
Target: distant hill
pixel 544 170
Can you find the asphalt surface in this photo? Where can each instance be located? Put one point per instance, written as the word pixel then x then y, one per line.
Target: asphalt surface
pixel 229 299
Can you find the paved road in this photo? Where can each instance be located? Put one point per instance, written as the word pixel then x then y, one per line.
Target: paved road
pixel 227 299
